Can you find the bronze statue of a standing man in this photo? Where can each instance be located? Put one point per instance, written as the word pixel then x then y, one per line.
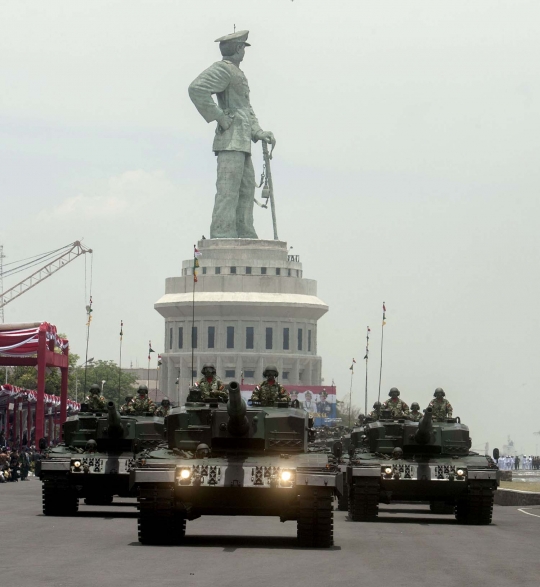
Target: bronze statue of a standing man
pixel 237 127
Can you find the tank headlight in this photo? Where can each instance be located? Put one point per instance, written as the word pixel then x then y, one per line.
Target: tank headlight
pixel 76 464
pixel 185 473
pixel 388 470
pixel 286 476
pixel 460 472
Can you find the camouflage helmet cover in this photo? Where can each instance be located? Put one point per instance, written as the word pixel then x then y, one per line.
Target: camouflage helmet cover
pixel 439 391
pixel 394 392
pixel 415 406
pixel 143 390
pixel 270 369
pixel 95 388
pixel 208 368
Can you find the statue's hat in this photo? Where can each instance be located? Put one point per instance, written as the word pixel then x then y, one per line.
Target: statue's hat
pixel 240 36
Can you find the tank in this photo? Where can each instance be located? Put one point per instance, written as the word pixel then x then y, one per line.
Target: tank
pixel 425 461
pixel 234 459
pixel 95 459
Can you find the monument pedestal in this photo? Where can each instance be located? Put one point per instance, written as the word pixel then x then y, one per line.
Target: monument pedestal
pixel 253 307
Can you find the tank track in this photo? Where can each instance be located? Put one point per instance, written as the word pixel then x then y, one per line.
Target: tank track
pixel 59 499
pixel 477 507
pixel 158 522
pixel 315 523
pixel 439 507
pixel 364 500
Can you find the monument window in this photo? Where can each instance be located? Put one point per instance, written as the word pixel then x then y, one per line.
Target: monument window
pixel 230 373
pixel 285 375
pixel 211 336
pixel 249 374
pixel 269 337
pixel 194 373
pixel 285 339
pixel 278 271
pixel 194 337
pixel 248 270
pixel 250 335
pixel 300 333
pixel 230 337
pixel 263 270
pixel 309 341
pixel 288 272
pixel 170 338
pixel 204 270
pixel 181 337
pixel 233 270
pixel 217 270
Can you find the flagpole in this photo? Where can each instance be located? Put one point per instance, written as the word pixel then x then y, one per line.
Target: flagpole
pixel 148 372
pixel 120 360
pixel 350 392
pixel 366 358
pixel 382 342
pixel 193 312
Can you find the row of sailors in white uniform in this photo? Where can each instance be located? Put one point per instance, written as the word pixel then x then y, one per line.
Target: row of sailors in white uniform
pixel 509 463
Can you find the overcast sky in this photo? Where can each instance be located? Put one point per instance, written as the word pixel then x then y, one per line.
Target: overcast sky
pixel 406 170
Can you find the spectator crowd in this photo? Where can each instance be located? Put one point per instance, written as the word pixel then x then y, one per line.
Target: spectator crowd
pixel 16 463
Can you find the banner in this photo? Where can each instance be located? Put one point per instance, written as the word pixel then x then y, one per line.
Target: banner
pixel 318 400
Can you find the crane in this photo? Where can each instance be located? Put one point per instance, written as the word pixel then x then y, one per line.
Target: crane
pixel 69 253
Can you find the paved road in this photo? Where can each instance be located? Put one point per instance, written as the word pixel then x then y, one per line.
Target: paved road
pixel 407 547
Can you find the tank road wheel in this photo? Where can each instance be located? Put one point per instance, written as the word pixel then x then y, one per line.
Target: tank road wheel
pixel 158 522
pixel 439 507
pixel 364 500
pixel 315 524
pixel 343 500
pixel 59 501
pixel 477 507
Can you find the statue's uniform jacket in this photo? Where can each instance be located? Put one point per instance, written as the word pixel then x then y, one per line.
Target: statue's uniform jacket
pixel 230 85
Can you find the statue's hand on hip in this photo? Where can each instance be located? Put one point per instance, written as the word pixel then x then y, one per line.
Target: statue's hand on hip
pixel 268 137
pixel 225 121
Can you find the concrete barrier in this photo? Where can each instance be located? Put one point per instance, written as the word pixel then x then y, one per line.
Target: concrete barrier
pixel 516 497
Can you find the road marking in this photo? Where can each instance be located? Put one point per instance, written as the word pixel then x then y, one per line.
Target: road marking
pixel 528 513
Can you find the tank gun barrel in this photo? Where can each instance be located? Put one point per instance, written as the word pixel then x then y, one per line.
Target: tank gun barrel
pixel 238 424
pixel 425 427
pixel 114 420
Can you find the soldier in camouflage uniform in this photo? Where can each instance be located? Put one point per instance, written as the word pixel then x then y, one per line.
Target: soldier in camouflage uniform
pixel 142 404
pixel 95 401
pixel 127 407
pixel 375 414
pixel 442 408
pixel 211 385
pixel 415 414
pixel 270 391
pixel 397 407
pixel 164 408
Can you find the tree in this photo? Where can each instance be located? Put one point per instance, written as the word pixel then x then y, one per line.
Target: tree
pixel 117 384
pixel 342 411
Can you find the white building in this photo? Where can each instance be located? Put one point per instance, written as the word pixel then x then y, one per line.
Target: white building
pixel 253 307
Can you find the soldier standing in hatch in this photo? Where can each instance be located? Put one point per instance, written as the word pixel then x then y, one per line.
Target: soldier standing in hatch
pixel 95 401
pixel 398 407
pixel 164 408
pixel 375 414
pixel 415 414
pixel 237 128
pixel 211 385
pixel 442 408
pixel 142 404
pixel 270 390
pixel 127 407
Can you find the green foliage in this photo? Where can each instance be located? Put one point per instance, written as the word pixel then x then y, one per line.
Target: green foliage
pixel 117 385
pixel 342 411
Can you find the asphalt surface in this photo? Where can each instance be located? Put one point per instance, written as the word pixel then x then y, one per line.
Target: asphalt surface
pixel 408 546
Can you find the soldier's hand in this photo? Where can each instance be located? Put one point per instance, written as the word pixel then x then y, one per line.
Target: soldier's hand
pixel 268 137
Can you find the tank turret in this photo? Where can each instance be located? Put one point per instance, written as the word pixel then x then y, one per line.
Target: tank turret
pixel 238 424
pixel 425 428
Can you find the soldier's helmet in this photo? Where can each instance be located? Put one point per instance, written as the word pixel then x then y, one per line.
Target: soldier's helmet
pixel 377 405
pixel 439 392
pixel 270 370
pixel 128 398
pixel 95 389
pixel 415 406
pixel 208 369
pixel 143 390
pixel 394 392
pixel 165 401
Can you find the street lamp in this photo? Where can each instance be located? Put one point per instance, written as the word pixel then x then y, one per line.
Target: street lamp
pixel 103 381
